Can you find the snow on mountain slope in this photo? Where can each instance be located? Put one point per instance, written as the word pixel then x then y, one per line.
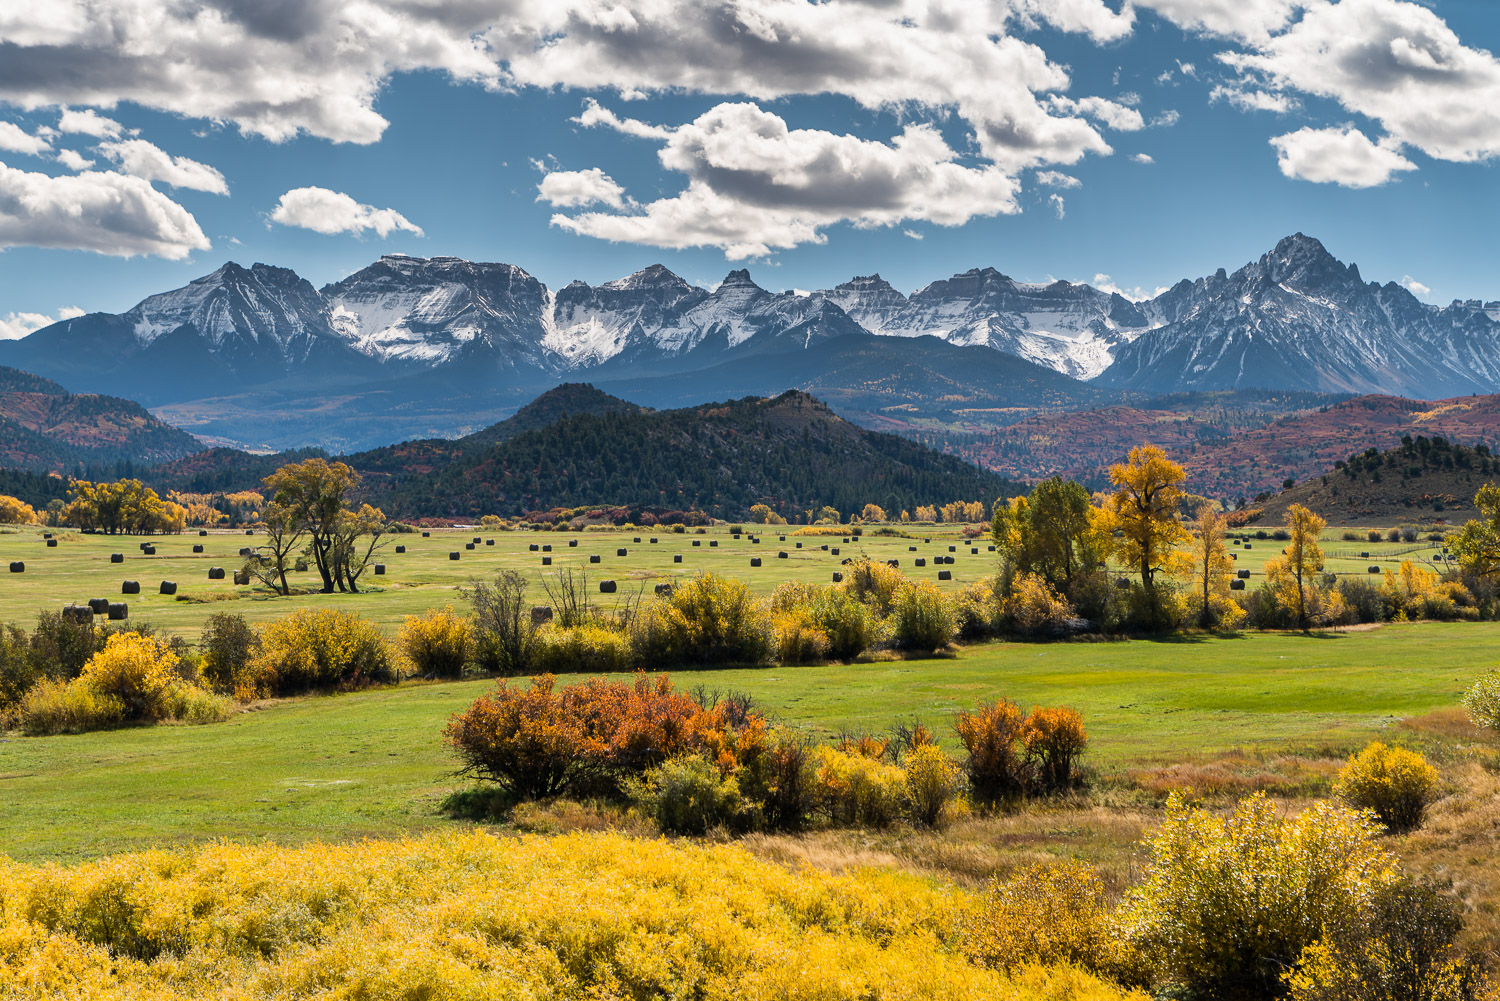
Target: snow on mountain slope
pixel 587 325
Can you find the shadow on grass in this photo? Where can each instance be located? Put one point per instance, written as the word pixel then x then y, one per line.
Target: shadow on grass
pixel 485 803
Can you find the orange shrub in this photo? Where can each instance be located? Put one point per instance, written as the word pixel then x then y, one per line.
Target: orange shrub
pixel 995 767
pixel 1054 739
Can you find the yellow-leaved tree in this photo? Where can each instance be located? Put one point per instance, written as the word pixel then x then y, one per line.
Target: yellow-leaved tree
pixel 1143 512
pixel 1209 602
pixel 1294 575
pixel 14 511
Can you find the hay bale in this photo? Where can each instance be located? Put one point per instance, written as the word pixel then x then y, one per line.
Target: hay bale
pixel 216 573
pixel 952 549
pixel 834 550
pixel 754 540
pixel 546 549
pixel 620 552
pixel 197 549
pixel 1364 556
pixel 781 538
pixel 697 542
pixel 824 547
pixel 469 545
pixel 400 549
pixel 1374 569
pixel 118 610
pixel 426 535
pixel 249 531
pixel 167 587
pixel 636 538
pixel 973 550
pixel 489 542
pixel 541 614
pixel 130 587
pixel 755 561
pixel 202 532
pixel 453 556
pixel 546 561
pixel 244 550
pixel 921 562
pixel 1234 556
pixel 149 550
pixel 799 545
pixel 781 554
pixel 17 566
pixel 838 578
pixel 46 535
pixel 572 544
pixel 1247 545
pixel 992 549
pixel 242 576
pixel 99 606
pixel 533 548
pixel 677 558
pixel 380 569
pixel 653 541
pixel 606 587
pixel 51 543
pixel 1242 574
pixel 594 558
pixel 477 540
pixel 911 549
pixel 117 557
pixel 1236 585
pixel 945 575
pixel 894 563
pixel 713 543
pixel 663 590
pixel 142 546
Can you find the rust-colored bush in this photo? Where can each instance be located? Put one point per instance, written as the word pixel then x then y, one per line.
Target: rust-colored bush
pixel 1054 738
pixel 996 765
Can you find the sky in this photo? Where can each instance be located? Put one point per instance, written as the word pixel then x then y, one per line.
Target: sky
pixel 1128 144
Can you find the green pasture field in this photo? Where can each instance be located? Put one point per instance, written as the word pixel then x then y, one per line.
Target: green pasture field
pixel 373 764
pixel 424 577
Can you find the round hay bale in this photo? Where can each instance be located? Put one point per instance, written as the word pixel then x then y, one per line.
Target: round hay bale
pixel 453 556
pixel 202 532
pixel 834 550
pixel 952 549
pixel 781 538
pixel 130 587
pixel 244 550
pixel 118 610
pixel 992 549
pixel 713 543
pixel 477 540
pixel 489 542
pixel 168 587
pixel 117 557
pixel 921 562
pixel 17 566
pixel 697 542
pixel 663 590
pixel 677 558
pixel 894 563
pixel 1236 585
pixel 142 546
pixel 215 573
pixel 572 544
pixel 636 538
pixel 620 552
pixel 149 550
pixel 46 535
pixel 1248 546
pixel 533 548
pixel 945 575
pixel 51 543
pixel 838 578
pixel 469 545
pixel 1364 556
pixel 197 549
pixel 799 545
pixel 380 569
pixel 606 587
pixel 99 606
pixel 781 554
pixel 973 550
pixel 824 547
pixel 546 561
pixel 653 541
pixel 1242 574
pixel 249 531
pixel 426 535
pixel 594 558
pixel 546 549
pixel 755 561
pixel 1374 569
pixel 400 549
pixel 541 614
pixel 755 540
pixel 911 549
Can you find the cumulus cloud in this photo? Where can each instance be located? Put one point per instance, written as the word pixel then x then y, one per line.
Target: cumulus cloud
pixel 1057 179
pixel 15 139
pixel 1343 156
pixel 104 212
pixel 575 188
pixel 595 114
pixel 755 185
pixel 14 326
pixel 1056 201
pixel 1243 20
pixel 90 123
pixel 325 211
pixel 1144 158
pixel 1395 62
pixel 142 159
pixel 1252 99
pixel 1415 287
pixel 73 160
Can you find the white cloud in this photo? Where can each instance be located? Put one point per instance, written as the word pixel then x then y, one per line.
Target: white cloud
pixel 104 212
pixel 1343 156
pixel 755 185
pixel 325 211
pixel 1088 17
pixel 1252 99
pixel 1244 20
pixel 1056 201
pixel 574 188
pixel 73 160
pixel 1395 62
pixel 912 233
pixel 594 114
pixel 14 326
pixel 89 123
pixel 1057 179
pixel 18 140
pixel 1166 119
pixel 1415 287
pixel 1112 114
pixel 1104 283
pixel 142 159
pixel 1145 158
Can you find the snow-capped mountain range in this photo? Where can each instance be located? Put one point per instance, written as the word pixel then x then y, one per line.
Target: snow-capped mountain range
pixel 1295 319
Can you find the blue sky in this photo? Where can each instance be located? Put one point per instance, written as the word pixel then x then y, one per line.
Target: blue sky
pixel 762 134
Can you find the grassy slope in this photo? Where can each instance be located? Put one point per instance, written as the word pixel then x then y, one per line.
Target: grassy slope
pixel 373 764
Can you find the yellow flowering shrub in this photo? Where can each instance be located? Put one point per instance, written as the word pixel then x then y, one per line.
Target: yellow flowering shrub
pixel 1227 904
pixel 1033 608
pixel 931 783
pixel 706 620
pixel 1054 912
pixel 437 643
pixel 797 637
pixel 922 620
pixel 1393 783
pixel 320 648
pixel 589 648
pixel 874 583
pixel 853 789
pixel 465 916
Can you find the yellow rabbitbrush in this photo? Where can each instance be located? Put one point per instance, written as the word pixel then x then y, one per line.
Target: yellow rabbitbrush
pixel 470 916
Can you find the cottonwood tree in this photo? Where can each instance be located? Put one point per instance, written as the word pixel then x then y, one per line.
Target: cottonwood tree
pixel 1212 569
pixel 358 536
pixel 284 533
pixel 1293 575
pixel 1477 544
pixel 313 492
pixel 1143 510
pixel 1053 532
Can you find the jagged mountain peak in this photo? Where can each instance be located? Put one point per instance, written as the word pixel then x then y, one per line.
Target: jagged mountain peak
pixel 651 276
pixel 739 278
pixel 1304 262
